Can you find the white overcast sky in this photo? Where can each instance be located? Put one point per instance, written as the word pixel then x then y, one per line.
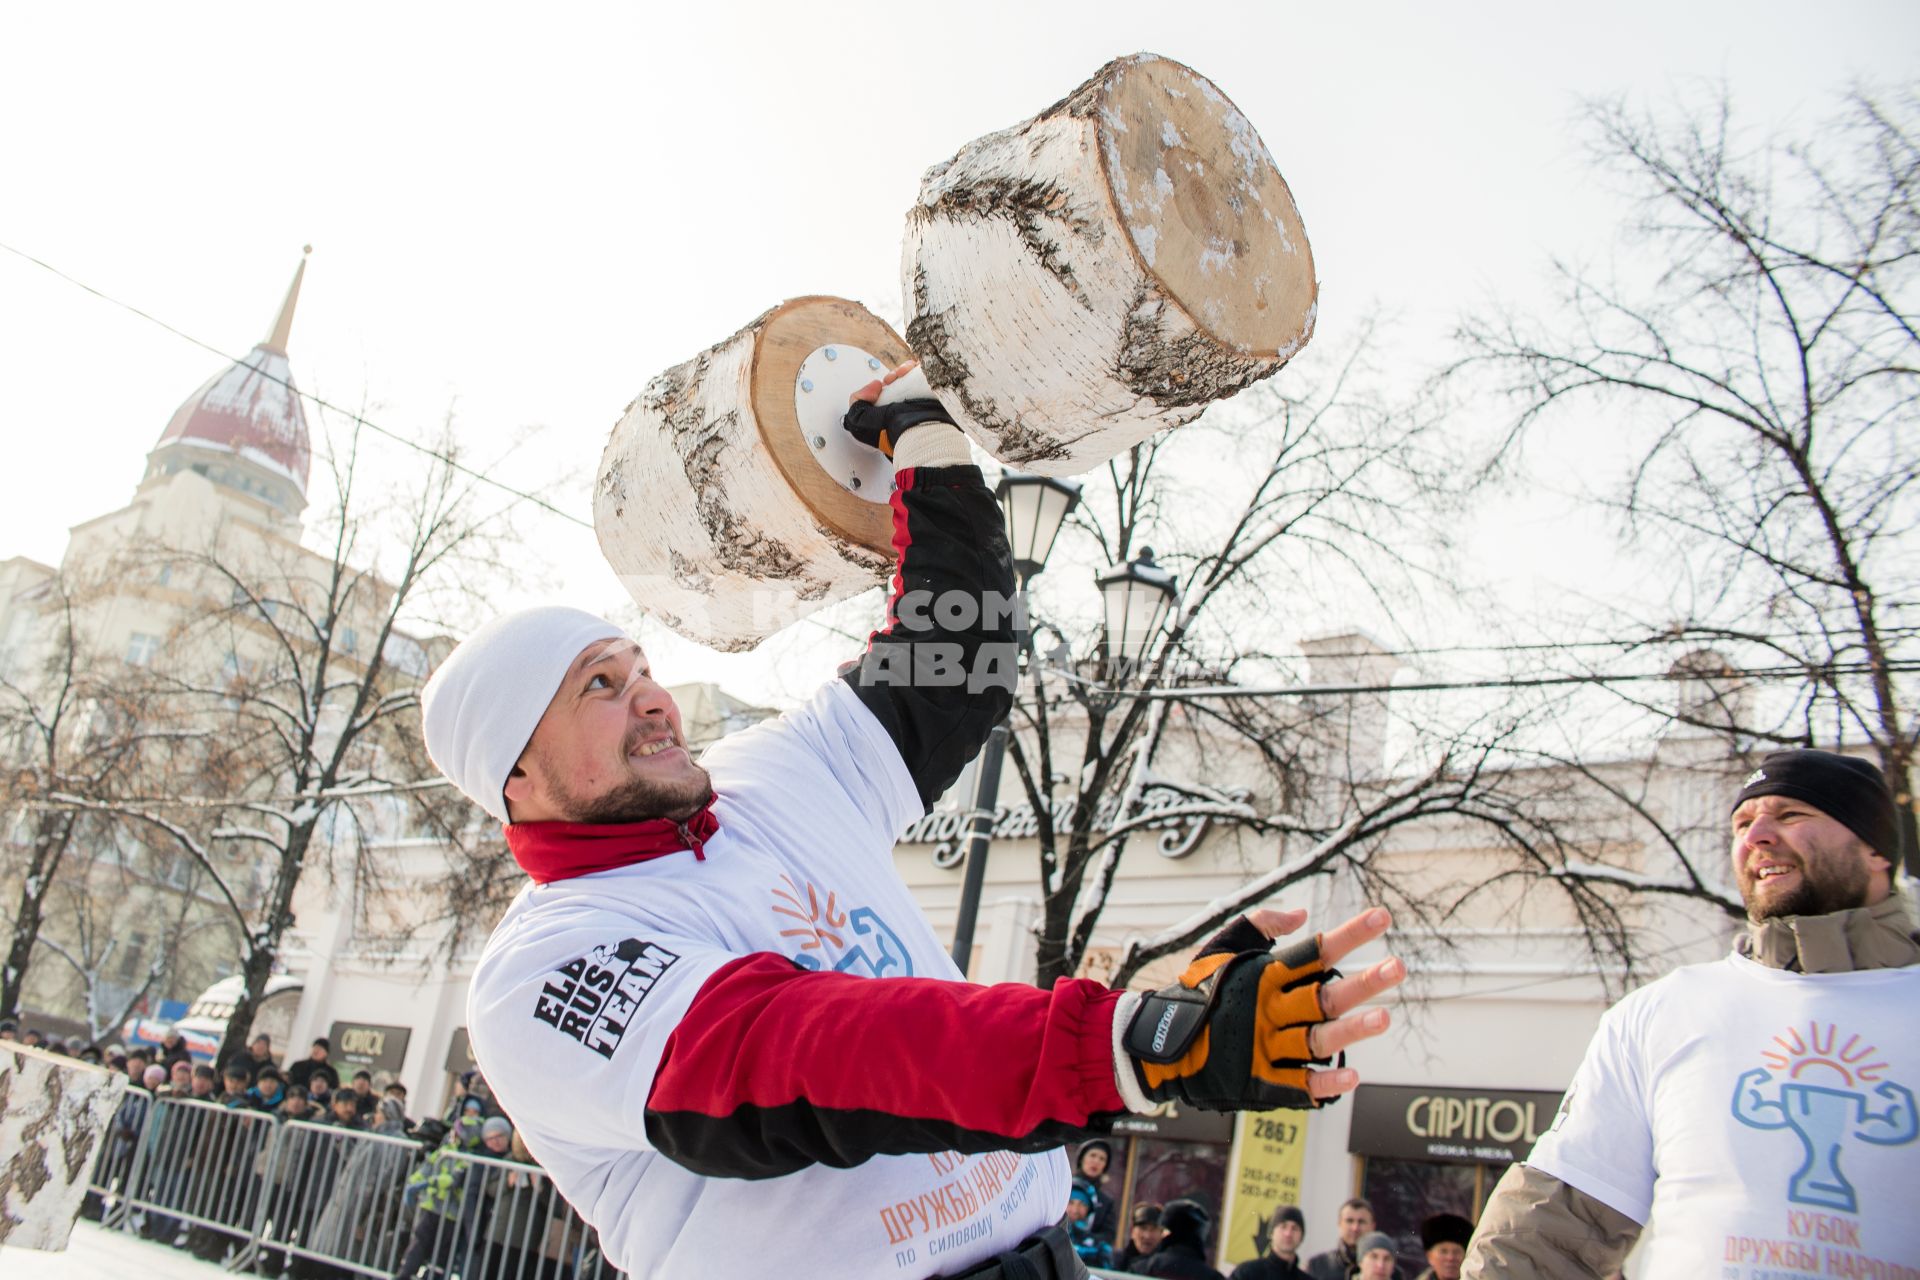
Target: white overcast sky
pixel 527 211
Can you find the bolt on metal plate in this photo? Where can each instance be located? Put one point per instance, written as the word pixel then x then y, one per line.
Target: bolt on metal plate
pixel 828 377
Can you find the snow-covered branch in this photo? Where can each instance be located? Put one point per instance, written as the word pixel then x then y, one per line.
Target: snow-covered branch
pixel 1374 817
pixel 181 836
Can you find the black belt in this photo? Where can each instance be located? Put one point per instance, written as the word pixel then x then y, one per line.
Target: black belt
pixel 1044 1255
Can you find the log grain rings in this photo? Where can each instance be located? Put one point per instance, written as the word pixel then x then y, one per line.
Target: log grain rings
pixel 711 504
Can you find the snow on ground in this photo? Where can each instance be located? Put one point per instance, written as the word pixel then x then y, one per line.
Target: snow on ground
pixel 98 1254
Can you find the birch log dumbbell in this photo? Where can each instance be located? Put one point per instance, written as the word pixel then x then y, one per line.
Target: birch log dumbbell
pixel 729 500
pixel 1105 270
pixel 1102 272
pixel 54 1114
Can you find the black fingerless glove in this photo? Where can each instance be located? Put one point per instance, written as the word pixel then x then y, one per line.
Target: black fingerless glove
pixel 880 426
pixel 1231 1034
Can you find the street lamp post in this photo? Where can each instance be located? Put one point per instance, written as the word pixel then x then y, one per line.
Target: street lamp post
pixel 1035 507
pixel 1137 598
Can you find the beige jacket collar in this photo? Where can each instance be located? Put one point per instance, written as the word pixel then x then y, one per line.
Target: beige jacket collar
pixel 1878 937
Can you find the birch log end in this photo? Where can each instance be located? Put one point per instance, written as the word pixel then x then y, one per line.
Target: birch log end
pixel 713 503
pixel 54 1114
pixel 1106 269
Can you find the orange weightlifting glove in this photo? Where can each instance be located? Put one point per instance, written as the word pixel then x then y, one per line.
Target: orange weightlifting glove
pixel 1231 1034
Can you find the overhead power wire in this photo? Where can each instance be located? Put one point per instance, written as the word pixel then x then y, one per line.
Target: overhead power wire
pixel 1547 646
pixel 352 416
pixel 1515 682
pixel 483 478
pixel 356 418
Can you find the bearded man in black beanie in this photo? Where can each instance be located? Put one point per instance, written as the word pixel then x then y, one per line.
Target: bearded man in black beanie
pixel 1762 1105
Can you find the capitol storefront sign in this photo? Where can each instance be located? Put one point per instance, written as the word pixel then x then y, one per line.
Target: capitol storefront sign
pixel 1468 1126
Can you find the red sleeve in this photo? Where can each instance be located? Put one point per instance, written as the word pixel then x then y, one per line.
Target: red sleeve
pixel 775 1068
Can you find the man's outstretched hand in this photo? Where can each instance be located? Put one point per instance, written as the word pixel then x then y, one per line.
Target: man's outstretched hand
pixel 1249 1028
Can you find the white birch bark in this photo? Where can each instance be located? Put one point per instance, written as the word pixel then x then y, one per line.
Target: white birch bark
pixel 54 1114
pixel 696 518
pixel 1105 270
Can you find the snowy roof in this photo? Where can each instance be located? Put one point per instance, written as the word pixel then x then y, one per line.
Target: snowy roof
pixel 250 408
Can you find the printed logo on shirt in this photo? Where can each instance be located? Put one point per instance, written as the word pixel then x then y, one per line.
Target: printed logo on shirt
pixel 1829 1089
pixel 828 936
pixel 593 999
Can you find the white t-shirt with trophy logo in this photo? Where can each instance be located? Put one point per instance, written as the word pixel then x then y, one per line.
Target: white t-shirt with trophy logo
pixel 1762 1123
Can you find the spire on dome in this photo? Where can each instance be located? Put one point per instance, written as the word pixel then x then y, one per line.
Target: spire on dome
pixel 276 341
pixel 245 428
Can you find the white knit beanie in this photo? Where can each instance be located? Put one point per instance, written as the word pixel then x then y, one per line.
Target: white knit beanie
pixel 483 703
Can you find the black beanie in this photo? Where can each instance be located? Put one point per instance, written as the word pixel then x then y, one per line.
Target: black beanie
pixel 1851 791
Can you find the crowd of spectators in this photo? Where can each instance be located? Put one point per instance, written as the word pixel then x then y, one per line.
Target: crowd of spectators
pixel 1174 1239
pixel 423 1199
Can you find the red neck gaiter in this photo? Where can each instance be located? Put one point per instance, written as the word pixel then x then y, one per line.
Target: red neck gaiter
pixel 550 851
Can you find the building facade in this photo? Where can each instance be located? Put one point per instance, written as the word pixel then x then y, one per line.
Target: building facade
pixel 192 592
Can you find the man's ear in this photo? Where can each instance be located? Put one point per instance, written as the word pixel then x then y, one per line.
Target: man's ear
pixel 518 788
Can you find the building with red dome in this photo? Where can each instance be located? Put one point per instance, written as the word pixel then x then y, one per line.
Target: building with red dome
pixel 153 592
pixel 245 428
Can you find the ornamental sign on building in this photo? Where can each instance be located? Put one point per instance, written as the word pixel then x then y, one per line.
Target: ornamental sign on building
pixel 946 829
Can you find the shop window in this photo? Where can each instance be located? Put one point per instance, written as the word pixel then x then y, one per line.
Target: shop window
pixel 1164 1170
pixel 130 957
pixel 404 655
pixel 1404 1193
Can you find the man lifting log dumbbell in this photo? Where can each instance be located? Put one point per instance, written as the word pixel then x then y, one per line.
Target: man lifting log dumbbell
pixel 681 1010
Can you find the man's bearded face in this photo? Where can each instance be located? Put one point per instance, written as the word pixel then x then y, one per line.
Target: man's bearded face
pixel 609 749
pixel 1791 859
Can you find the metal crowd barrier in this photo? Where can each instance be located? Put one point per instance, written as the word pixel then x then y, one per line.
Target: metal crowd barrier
pixel 264 1192
pixel 199 1167
pixel 336 1196
pixel 501 1220
pixel 117 1157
